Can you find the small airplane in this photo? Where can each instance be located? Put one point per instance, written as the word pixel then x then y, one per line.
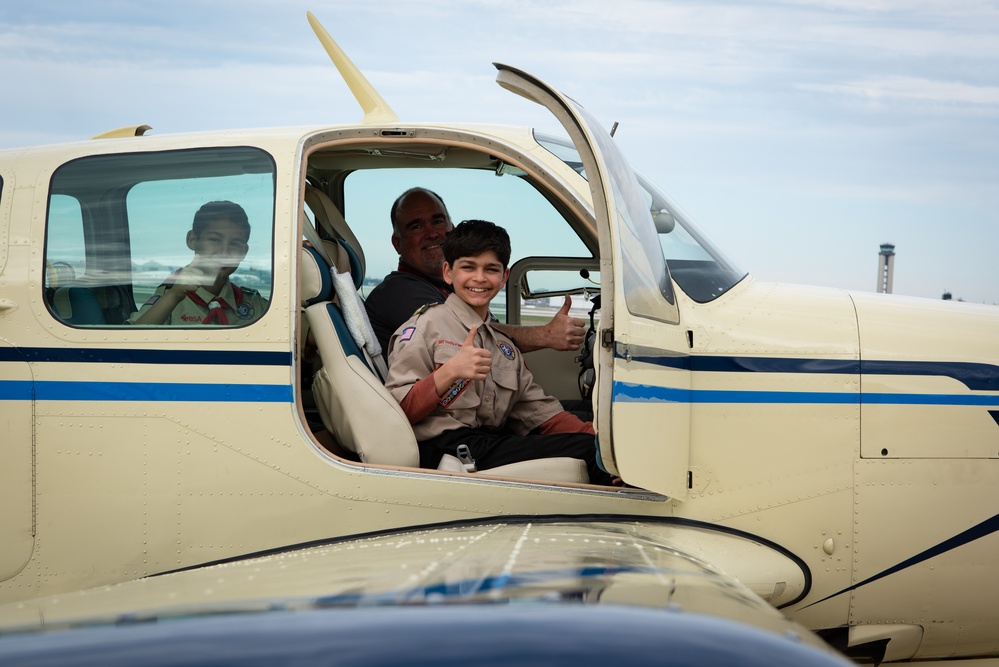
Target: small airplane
pixel 828 453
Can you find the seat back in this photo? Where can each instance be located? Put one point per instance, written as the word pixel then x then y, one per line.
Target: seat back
pixel 353 403
pixel 77 305
pixel 330 222
pixel 116 301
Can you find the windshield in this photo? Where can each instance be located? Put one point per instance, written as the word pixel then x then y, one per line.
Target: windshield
pixel 695 264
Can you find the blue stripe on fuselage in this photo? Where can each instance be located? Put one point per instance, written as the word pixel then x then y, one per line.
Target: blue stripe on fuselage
pixel 212 392
pixel 625 392
pixel 977 532
pixel 77 355
pixel 49 390
pixel 975 376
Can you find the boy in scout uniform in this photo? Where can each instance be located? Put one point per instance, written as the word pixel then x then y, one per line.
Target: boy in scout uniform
pixel 461 381
pixel 201 292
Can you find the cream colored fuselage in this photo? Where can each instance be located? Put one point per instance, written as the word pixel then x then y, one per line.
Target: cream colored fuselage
pixel 840 427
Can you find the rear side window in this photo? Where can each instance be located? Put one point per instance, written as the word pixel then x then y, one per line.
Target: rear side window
pixel 174 238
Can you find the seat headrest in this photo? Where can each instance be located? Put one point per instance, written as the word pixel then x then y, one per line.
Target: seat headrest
pixel 344 259
pixel 356 269
pixel 77 305
pixel 317 284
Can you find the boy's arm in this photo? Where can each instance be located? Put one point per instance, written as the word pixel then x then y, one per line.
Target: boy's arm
pixel 566 422
pixel 423 395
pixel 421 400
pixel 186 280
pixel 159 312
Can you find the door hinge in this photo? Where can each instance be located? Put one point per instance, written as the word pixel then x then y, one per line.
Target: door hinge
pixel 607 338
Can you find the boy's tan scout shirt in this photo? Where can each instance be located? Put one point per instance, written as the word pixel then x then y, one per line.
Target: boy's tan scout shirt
pixel 239 305
pixel 509 396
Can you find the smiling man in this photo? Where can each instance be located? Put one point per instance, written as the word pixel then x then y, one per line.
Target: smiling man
pixel 420 222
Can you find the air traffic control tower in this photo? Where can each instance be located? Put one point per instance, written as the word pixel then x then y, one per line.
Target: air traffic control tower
pixel 886 266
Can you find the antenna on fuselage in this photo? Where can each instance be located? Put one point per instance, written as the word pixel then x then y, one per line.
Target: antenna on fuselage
pixel 376 109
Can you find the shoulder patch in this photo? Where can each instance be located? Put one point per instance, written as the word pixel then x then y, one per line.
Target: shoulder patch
pixel 424 308
pixel 244 311
pixel 407 333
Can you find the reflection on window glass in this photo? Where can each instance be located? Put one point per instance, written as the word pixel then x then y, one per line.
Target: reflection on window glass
pixel 179 238
pixel 65 231
pixel 695 263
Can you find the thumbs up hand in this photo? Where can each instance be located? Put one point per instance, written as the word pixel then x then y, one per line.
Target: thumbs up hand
pixel 564 332
pixel 471 363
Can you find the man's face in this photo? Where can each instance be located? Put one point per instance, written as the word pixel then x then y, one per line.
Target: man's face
pixel 421 225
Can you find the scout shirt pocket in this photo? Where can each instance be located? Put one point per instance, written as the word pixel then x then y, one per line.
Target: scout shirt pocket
pixel 462 394
pixel 504 390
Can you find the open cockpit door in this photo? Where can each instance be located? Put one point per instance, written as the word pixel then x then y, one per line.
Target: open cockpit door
pixel 641 404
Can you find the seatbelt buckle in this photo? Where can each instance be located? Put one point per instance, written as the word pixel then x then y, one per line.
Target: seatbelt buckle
pixel 465 456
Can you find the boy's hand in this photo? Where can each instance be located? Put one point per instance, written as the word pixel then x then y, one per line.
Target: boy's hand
pixel 471 362
pixel 192 277
pixel 209 275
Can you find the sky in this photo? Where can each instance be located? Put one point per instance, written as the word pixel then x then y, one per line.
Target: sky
pixel 800 135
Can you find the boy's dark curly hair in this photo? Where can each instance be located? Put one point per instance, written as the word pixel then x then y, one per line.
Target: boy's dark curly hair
pixel 474 237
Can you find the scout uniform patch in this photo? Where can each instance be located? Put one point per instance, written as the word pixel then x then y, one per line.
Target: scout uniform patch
pixel 454 391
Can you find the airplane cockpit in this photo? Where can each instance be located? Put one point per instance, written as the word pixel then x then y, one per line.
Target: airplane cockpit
pixel 351 184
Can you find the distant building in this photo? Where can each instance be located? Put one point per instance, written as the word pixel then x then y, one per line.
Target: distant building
pixel 886 267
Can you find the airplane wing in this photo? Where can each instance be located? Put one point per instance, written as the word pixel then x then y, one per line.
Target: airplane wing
pixel 536 590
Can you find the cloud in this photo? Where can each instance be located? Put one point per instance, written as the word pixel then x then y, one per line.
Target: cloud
pixel 785 107
pixel 942 96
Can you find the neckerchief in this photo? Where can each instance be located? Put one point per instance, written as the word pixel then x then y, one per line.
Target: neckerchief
pixel 216 307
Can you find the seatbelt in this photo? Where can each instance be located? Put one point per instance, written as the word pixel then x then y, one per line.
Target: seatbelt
pixel 465 456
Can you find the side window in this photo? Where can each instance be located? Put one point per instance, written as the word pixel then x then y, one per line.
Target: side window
pixel 536 228
pixel 65 261
pixel 177 238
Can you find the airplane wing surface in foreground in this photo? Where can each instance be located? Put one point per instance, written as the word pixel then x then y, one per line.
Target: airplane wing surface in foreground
pixel 532 590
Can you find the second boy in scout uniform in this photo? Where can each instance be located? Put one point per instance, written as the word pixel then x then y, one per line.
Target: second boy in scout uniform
pixel 201 292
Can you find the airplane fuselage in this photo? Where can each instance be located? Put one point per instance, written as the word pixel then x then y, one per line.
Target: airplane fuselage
pixel 857 434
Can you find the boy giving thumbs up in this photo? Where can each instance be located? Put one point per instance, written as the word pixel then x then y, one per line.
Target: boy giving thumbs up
pixel 461 381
